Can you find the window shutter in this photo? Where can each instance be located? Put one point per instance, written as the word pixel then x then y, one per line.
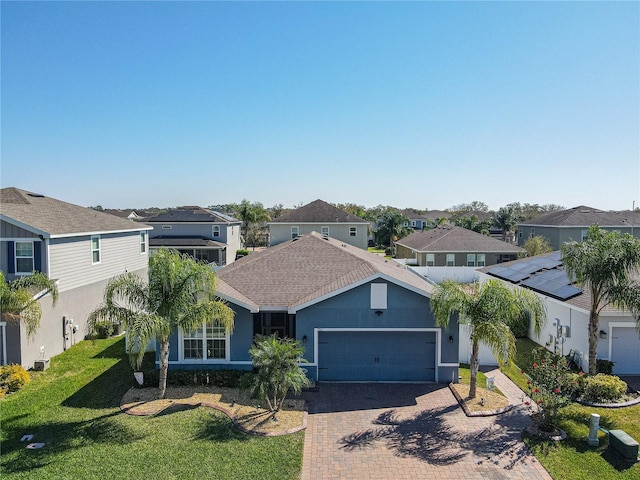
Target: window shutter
pixel 37 256
pixel 11 259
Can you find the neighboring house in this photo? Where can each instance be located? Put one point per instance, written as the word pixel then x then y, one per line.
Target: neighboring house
pixel 428 219
pixel 78 247
pixel 358 316
pixel 451 246
pixel 568 307
pixel 321 217
pixel 138 215
pixel 572 225
pixel 199 232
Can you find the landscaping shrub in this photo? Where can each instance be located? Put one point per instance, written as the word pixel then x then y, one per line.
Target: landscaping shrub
pixel 390 252
pixel 520 327
pixel 604 366
pixel 218 378
pixel 103 330
pixel 603 388
pixel 574 384
pixel 13 377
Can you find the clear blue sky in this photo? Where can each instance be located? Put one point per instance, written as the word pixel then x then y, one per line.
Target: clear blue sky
pixel 412 104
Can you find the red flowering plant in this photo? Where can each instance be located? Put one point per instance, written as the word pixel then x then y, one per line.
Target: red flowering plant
pixel 548 376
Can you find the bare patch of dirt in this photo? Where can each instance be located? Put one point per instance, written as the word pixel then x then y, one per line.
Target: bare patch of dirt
pixel 492 400
pixel 245 411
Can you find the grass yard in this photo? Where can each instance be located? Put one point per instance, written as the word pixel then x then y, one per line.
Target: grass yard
pixel 573 459
pixel 73 408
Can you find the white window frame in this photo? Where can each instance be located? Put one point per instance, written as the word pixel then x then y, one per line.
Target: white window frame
pixel 472 257
pixel 184 335
pixel 215 230
pixel 413 223
pixel 22 257
pixel 481 260
pixel 324 231
pixel 378 296
pixel 430 259
pixel 96 250
pixel 353 231
pixel 295 232
pixel 532 232
pixel 143 243
pixel 451 257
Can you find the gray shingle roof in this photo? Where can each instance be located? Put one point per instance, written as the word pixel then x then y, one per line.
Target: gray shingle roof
pixel 583 216
pixel 455 239
pixel 192 214
pixel 55 218
pixel 318 211
pixel 307 269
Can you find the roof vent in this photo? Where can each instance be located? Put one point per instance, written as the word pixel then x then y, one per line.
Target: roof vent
pixel 36 195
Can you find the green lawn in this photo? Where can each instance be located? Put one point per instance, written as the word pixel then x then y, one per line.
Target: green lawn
pixel 73 408
pixel 573 459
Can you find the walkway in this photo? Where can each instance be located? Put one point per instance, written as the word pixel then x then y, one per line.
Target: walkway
pixel 413 431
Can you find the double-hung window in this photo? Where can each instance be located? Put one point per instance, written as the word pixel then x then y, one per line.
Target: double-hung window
pixel 95 249
pixel 216 231
pixel 471 259
pixel 451 259
pixel 353 231
pixel 24 257
pixel 431 259
pixel 324 231
pixel 206 342
pixel 481 260
pixel 295 232
pixel 143 242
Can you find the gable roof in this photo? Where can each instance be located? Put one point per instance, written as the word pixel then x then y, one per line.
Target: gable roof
pixel 318 211
pixel 53 218
pixel 452 239
pixel 192 214
pixel 306 270
pixel 583 216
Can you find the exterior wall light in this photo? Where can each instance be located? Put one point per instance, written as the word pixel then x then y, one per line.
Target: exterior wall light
pixel 304 339
pixel 450 338
pixel 603 334
pixel 378 312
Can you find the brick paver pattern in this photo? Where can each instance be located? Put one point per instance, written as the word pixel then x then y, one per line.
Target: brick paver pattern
pixel 413 431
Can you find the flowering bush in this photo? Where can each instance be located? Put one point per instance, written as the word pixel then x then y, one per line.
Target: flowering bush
pixel 547 389
pixel 12 378
pixel 603 388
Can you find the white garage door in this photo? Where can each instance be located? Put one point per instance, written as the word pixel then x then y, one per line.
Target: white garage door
pixel 625 350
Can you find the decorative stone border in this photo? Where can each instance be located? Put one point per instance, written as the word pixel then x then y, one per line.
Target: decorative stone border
pixel 630 403
pixel 536 432
pixel 233 419
pixel 485 413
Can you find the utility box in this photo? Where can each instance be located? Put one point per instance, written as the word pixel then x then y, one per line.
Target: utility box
pixel 623 443
pixel 41 365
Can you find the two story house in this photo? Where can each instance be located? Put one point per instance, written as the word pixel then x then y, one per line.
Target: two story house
pixel 321 217
pixel 79 248
pixel 572 225
pixel 199 232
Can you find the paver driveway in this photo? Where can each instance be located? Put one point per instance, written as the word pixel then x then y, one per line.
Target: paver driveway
pixel 411 431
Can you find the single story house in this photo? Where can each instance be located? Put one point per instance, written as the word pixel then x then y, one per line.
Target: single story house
pixel 359 316
pixel 199 232
pixel 568 308
pixel 320 216
pixel 452 246
pixel 78 247
pixel 572 225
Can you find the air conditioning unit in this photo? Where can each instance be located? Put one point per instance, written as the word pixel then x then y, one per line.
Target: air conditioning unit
pixel 41 365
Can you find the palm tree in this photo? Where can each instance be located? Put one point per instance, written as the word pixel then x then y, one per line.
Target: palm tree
pixel 392 225
pixel 504 219
pixel 276 362
pixel 605 264
pixel 487 309
pixel 19 300
pixel 179 293
pixel 250 214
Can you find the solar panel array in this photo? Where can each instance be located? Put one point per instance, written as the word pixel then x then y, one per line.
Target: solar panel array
pixel 540 274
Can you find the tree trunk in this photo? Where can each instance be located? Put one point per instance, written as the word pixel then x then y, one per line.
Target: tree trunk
pixel 473 367
pixel 594 323
pixel 164 366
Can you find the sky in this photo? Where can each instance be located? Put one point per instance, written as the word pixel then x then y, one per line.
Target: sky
pixel 410 104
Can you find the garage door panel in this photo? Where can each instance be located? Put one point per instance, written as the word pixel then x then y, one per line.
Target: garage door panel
pixel 376 356
pixel 625 350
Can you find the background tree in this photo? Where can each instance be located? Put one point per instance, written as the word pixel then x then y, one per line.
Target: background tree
pixel 487 309
pixel 18 302
pixel 353 209
pixel 277 371
pixel 179 294
pixel 607 265
pixel 475 206
pixel 253 216
pixel 473 223
pixel 536 245
pixel 504 219
pixel 392 225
